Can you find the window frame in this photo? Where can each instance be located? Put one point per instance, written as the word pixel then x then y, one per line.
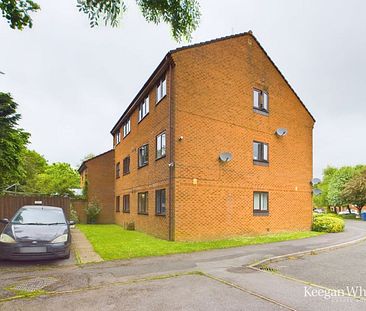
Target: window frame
pixel 161 89
pixel 159 203
pixel 162 155
pixel 118 170
pixel 118 204
pixel 126 128
pixel 124 171
pixel 117 137
pixel 138 156
pixel 261 160
pixel 260 211
pixel 124 208
pixel 146 211
pixel 144 104
pixel 261 109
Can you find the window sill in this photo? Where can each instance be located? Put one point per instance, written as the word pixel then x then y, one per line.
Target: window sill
pixel 126 135
pixel 143 165
pixel 260 213
pixel 143 118
pixel 162 157
pixel 118 211
pixel 117 177
pixel 145 214
pixel 158 101
pixel 262 112
pixel 126 212
pixel 160 215
pixel 124 174
pixel 261 163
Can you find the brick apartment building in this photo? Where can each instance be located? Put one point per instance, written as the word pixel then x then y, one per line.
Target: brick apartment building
pixel 98 173
pixel 221 97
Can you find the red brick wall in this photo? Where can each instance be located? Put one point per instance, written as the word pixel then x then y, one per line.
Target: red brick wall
pixel 213 92
pixel 100 177
pixel 148 178
pixel 212 105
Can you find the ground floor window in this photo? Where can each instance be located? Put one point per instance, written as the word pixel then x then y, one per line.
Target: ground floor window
pixel 160 202
pixel 126 203
pixel 117 204
pixel 142 203
pixel 260 202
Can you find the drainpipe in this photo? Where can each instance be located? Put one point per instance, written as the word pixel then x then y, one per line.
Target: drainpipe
pixel 171 155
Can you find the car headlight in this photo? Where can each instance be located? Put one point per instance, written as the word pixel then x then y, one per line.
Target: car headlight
pixel 4 238
pixel 60 239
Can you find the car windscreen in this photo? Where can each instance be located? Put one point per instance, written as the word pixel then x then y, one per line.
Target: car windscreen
pixel 39 216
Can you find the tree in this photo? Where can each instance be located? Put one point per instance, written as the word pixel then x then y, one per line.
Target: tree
pixel 354 191
pixel 33 164
pixel 321 200
pixel 338 182
pixel 58 178
pixel 16 12
pixel 13 141
pixel 182 15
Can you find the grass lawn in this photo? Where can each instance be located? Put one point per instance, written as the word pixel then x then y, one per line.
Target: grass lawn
pixel 113 242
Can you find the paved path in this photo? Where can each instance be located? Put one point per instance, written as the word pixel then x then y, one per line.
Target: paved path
pixel 82 248
pixel 152 283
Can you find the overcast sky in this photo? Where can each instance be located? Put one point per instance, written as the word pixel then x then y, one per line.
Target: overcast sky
pixel 72 82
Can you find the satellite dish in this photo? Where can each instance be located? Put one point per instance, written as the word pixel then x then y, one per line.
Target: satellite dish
pixel 317 191
pixel 225 156
pixel 281 131
pixel 315 181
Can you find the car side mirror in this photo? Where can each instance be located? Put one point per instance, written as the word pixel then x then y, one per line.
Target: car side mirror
pixel 4 221
pixel 71 222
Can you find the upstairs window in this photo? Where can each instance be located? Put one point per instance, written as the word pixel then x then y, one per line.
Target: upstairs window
pixel 143 155
pixel 118 169
pixel 161 90
pixel 260 152
pixel 126 165
pixel 160 199
pixel 142 203
pixel 260 100
pixel 144 108
pixel 160 145
pixel 126 128
pixel 126 203
pixel 260 202
pixel 117 204
pixel 118 137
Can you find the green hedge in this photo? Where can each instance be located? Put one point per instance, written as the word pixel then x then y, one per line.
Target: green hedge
pixel 328 223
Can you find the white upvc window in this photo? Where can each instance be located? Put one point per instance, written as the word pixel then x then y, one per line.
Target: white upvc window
pixel 260 151
pixel 118 137
pixel 160 145
pixel 260 202
pixel 260 100
pixel 161 90
pixel 144 108
pixel 126 128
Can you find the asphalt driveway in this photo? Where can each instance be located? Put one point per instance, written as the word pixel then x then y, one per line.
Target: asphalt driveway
pixel 216 279
pixel 338 268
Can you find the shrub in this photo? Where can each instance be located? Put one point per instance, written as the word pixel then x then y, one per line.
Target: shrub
pixel 92 211
pixel 74 216
pixel 327 223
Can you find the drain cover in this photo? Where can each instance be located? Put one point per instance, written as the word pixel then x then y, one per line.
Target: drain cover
pixel 35 284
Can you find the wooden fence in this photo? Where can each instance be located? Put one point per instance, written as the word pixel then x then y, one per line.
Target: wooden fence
pixel 10 203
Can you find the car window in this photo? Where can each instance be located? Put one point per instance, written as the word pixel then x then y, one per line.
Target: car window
pixel 39 216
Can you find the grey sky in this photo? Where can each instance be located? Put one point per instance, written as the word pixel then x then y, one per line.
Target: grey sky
pixel 73 82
